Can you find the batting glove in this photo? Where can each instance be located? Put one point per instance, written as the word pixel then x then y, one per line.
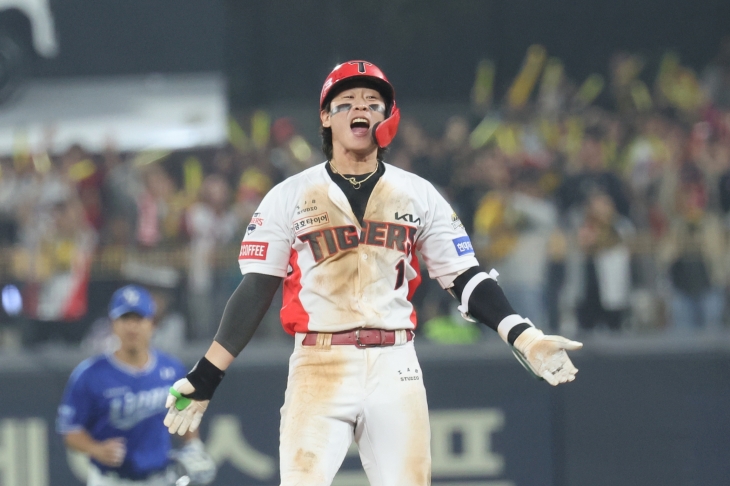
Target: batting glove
pixel 195 462
pixel 190 396
pixel 183 413
pixel 545 356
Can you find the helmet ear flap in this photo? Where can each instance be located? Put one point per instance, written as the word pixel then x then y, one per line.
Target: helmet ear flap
pixel 384 132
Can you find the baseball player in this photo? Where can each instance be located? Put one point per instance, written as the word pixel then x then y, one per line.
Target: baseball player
pixel 113 405
pixel 344 236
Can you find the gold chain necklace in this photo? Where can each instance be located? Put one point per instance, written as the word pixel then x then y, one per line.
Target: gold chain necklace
pixel 355 183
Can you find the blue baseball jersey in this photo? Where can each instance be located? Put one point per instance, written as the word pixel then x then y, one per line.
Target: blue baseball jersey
pixel 108 398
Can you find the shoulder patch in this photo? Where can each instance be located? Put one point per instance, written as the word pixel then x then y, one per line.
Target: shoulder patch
pixel 253 250
pixel 463 245
pixel 256 221
pixel 455 221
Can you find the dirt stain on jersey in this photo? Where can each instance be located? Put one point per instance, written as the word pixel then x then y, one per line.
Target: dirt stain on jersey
pixel 318 195
pixel 335 277
pixel 385 201
pixel 305 460
pixel 352 279
pixel 417 470
pixel 314 199
pixel 315 380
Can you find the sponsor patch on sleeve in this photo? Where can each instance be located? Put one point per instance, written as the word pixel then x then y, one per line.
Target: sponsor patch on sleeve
pixel 253 250
pixel 256 221
pixel 463 245
pixel 455 221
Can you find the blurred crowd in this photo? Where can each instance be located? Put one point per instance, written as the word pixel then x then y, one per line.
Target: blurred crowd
pixel 603 205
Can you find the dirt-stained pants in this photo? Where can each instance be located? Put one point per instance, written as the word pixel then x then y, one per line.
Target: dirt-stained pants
pixel 374 395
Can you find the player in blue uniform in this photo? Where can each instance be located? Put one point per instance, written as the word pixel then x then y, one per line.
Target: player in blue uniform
pixel 113 405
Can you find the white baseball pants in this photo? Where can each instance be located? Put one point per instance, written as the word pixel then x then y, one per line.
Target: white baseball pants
pixel 339 392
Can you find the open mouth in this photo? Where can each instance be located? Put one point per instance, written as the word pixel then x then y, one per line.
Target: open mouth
pixel 360 126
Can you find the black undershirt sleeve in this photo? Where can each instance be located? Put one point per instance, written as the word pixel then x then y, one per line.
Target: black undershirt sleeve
pixel 244 311
pixel 487 302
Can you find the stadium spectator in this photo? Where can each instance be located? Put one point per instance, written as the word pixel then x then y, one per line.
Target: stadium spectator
pixel 211 224
pixel 592 176
pixel 56 269
pixel 512 233
pixel 599 268
pixel 9 196
pixel 160 208
pixel 600 167
pixel 693 255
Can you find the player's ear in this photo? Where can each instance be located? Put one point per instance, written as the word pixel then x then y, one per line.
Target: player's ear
pixel 324 117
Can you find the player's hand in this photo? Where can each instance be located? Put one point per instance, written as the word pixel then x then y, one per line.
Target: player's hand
pixel 546 355
pixel 183 414
pixel 195 462
pixel 110 452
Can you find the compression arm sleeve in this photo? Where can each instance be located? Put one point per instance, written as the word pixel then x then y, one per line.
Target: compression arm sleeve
pixel 488 304
pixel 245 309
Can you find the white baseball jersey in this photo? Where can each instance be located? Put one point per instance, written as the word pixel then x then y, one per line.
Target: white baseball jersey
pixel 340 275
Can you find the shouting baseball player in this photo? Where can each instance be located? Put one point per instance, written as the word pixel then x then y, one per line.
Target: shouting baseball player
pixel 344 237
pixel 114 403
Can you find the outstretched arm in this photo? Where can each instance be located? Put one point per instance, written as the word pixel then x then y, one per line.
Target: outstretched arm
pixel 482 299
pixel 241 317
pixel 189 396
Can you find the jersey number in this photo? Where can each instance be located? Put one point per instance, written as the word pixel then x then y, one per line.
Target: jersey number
pixel 400 267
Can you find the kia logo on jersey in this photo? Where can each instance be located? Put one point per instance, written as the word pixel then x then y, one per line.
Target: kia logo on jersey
pixel 407 217
pixel 253 250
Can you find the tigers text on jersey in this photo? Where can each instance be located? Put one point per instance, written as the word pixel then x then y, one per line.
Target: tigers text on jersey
pixel 108 398
pixel 341 275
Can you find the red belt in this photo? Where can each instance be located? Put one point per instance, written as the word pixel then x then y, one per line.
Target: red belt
pixel 361 338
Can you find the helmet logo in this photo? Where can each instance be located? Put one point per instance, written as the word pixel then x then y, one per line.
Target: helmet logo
pixel 131 296
pixel 360 66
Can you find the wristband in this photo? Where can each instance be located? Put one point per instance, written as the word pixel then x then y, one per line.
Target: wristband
pixel 512 326
pixel 205 378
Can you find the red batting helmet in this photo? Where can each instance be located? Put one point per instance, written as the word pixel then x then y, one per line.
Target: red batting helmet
pixel 383 132
pixel 352 70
